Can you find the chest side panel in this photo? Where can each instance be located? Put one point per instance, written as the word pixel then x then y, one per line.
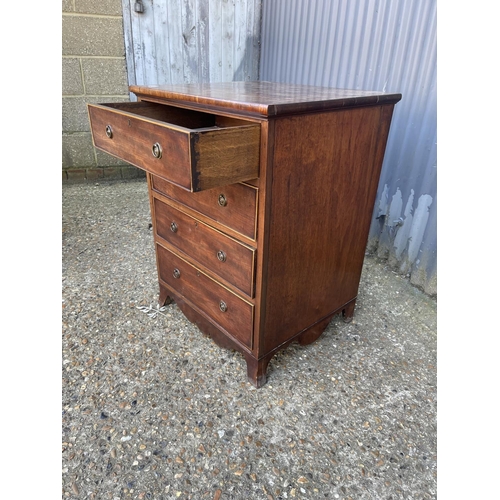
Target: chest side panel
pixel 326 168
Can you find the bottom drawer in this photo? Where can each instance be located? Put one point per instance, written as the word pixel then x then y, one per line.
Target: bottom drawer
pixel 226 309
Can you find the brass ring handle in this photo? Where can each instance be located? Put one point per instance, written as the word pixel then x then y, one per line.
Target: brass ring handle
pixel 222 200
pixel 221 256
pixel 156 149
pixel 223 306
pixel 176 274
pixel 109 131
pixel 173 227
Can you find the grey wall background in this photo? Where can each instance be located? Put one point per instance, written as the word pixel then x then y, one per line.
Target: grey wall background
pixel 374 45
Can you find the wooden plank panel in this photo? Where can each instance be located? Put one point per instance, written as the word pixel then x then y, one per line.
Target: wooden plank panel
pixel 203 45
pixel 148 45
pixel 191 41
pixel 214 40
pixel 129 43
pixel 175 41
pixel 239 40
pixel 161 50
pixel 144 54
pixel 227 41
pixel 252 55
pixel 189 36
pixel 138 53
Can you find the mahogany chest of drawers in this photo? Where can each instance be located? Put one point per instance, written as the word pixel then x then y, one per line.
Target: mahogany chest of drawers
pixel 261 199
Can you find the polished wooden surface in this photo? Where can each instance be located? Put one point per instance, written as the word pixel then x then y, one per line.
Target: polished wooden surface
pixel 234 206
pixel 221 255
pixel 206 295
pixel 325 176
pixel 263 98
pixel 293 238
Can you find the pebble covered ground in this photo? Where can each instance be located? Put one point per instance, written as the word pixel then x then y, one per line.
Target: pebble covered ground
pixel 152 409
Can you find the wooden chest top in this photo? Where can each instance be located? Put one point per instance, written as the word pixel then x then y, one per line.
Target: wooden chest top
pixel 264 98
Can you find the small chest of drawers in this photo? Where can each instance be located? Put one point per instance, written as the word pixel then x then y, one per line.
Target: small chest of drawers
pixel 261 199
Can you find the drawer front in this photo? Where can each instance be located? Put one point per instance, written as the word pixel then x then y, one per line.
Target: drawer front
pixel 224 307
pixel 132 139
pixel 224 256
pixel 187 148
pixel 234 206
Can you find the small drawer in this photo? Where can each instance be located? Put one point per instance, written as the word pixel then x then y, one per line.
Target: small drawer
pixel 225 308
pixel 195 150
pixel 224 256
pixel 234 206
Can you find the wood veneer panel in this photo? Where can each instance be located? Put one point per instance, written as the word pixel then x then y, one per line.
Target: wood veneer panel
pixel 206 294
pixel 237 212
pixel 202 243
pixel 325 175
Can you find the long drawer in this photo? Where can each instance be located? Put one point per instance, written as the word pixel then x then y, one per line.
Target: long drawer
pixel 222 255
pixel 194 150
pixel 222 306
pixel 234 206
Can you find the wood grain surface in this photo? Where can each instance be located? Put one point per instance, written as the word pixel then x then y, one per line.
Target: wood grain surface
pixel 202 244
pixel 263 98
pixel 325 174
pixel 238 210
pixel 207 295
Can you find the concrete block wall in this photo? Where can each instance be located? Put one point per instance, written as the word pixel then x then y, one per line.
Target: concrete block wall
pixel 93 70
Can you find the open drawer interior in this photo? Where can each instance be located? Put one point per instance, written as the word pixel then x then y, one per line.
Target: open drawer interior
pixel 186 118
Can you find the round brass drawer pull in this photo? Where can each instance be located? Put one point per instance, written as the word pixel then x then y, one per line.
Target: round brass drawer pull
pixel 109 131
pixel 173 227
pixel 223 306
pixel 176 274
pixel 157 150
pixel 222 200
pixel 221 256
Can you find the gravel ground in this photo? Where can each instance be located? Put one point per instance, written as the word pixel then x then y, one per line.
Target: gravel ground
pixel 152 409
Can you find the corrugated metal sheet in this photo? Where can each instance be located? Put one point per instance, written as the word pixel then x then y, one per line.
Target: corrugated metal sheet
pixel 374 45
pixel 192 41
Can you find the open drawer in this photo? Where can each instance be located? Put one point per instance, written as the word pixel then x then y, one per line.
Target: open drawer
pixel 194 150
